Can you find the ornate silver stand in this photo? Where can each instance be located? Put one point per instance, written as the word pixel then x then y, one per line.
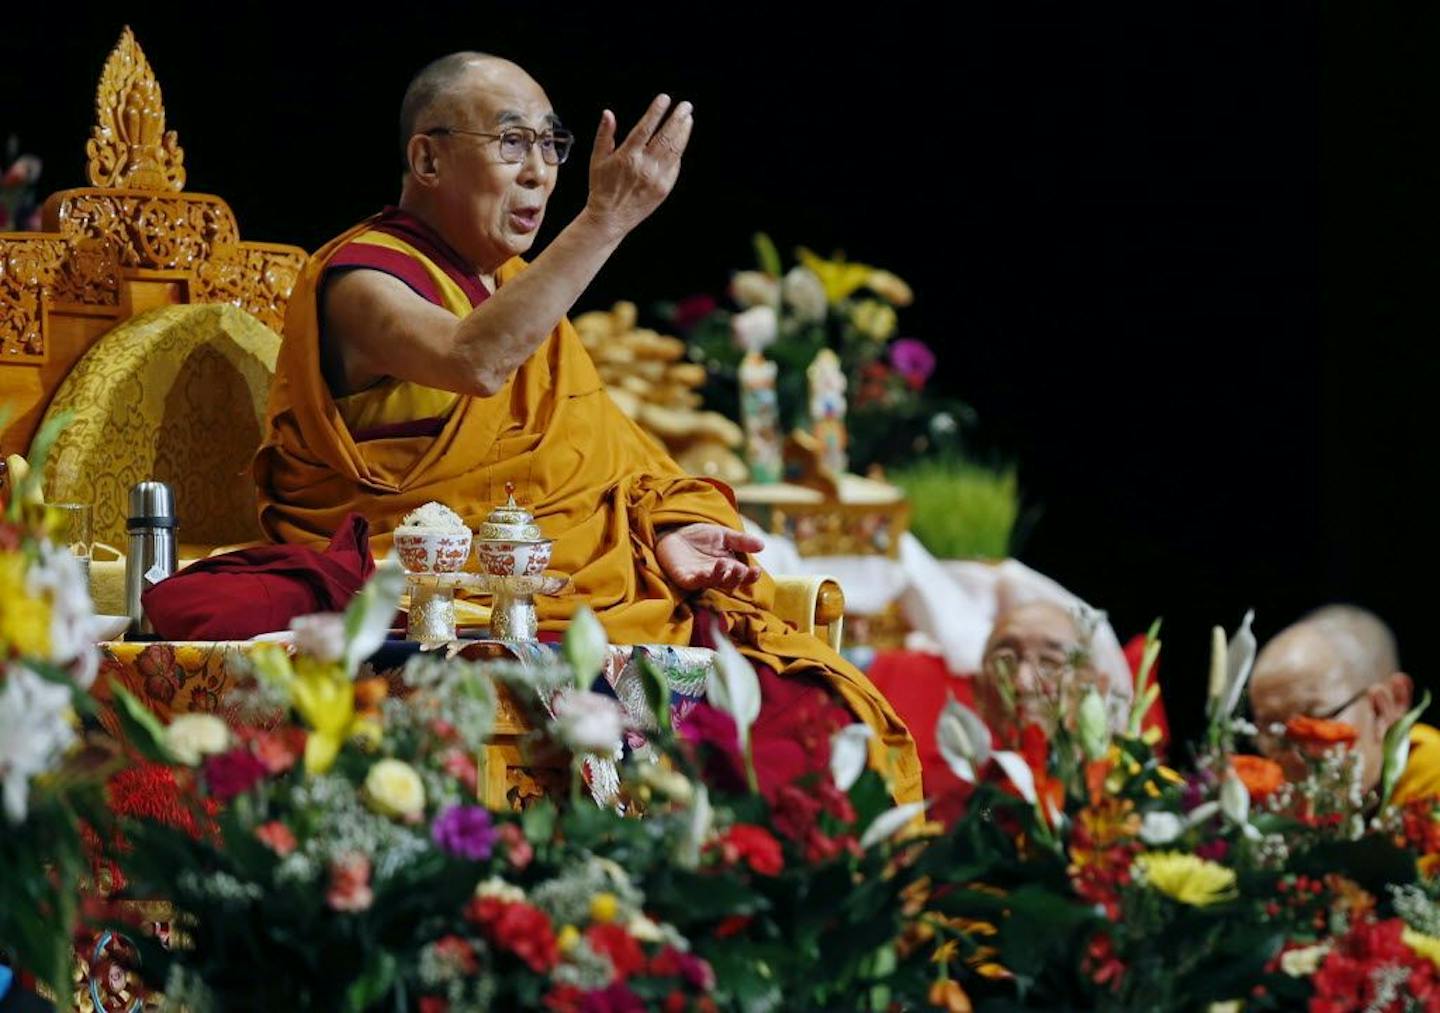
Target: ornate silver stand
pixel 512 614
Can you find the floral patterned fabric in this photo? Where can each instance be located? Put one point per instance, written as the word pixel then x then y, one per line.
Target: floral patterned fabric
pixel 178 395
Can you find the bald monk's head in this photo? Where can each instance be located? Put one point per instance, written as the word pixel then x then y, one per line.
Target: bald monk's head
pixel 482 147
pixel 1028 674
pixel 1340 663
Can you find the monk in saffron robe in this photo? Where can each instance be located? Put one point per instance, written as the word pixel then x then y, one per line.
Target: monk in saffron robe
pixel 1340 663
pixel 423 359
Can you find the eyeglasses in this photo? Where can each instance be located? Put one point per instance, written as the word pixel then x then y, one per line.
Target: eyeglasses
pixel 516 142
pixel 1267 740
pixel 1004 662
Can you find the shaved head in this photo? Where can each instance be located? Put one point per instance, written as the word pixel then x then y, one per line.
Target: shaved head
pixel 436 92
pixel 1339 661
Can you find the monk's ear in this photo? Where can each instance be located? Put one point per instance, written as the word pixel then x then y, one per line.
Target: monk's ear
pixel 1394 700
pixel 423 157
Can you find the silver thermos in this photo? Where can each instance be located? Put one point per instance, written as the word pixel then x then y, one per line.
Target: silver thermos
pixel 151 558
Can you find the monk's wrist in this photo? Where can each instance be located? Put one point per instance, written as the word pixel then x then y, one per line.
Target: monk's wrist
pixel 601 227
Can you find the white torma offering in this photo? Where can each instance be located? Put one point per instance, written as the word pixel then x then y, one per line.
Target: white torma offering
pixel 434 516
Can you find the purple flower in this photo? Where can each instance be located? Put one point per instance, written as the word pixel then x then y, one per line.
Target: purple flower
pixel 696 971
pixel 616 999
pixel 465 831
pixel 912 359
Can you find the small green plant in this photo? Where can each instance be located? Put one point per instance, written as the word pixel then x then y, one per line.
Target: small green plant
pixel 960 509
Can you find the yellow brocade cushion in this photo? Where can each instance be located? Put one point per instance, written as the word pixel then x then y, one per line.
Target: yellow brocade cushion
pixel 177 395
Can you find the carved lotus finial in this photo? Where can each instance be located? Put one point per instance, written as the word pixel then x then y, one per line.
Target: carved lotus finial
pixel 129 145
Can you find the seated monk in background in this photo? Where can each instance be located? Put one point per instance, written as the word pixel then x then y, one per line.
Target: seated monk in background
pixel 1036 654
pixel 423 359
pixel 1340 664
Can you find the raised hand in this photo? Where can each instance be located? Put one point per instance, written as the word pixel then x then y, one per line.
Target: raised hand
pixel 629 182
pixel 700 556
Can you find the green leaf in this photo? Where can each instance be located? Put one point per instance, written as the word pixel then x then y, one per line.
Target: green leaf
pixel 142 729
pixel 538 821
pixel 657 692
pixel 372 985
pixel 767 256
pixel 1397 750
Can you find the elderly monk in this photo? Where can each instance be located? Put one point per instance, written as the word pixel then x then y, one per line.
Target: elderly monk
pixel 1036 669
pixel 424 359
pixel 1340 663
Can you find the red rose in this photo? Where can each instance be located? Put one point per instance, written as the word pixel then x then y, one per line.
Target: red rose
pixel 518 927
pixel 756 846
pixel 563 999
pixel 619 945
pixel 233 773
pixel 794 811
pixel 433 1004
pixel 731 925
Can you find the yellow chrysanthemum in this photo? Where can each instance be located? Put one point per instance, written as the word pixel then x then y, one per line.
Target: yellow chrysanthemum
pixel 1187 878
pixel 1425 946
pixel 24 618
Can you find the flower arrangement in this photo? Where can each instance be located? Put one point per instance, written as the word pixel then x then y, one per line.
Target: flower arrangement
pixel 52 770
pixel 1084 872
pixel 838 304
pixel 335 842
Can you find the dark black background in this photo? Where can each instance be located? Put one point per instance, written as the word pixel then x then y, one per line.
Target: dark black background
pixel 1178 257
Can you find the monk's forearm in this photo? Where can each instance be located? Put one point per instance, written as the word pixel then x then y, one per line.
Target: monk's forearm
pixel 506 329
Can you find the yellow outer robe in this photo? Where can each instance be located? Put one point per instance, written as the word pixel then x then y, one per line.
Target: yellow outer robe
pixel 1421 776
pixel 597 484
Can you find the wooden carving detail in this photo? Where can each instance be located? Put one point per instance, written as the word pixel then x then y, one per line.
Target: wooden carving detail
pixel 30 269
pixel 163 233
pixel 135 221
pixel 257 278
pixel 129 145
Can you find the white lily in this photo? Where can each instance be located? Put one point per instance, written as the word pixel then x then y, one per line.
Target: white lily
pixel 734 687
pixel 368 617
pixel 964 740
pixel 849 749
pixel 890 823
pixel 1239 660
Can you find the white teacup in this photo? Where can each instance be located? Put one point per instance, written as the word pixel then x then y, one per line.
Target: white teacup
pixel 507 558
pixel 432 550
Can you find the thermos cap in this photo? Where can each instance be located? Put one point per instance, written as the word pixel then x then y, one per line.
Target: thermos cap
pixel 152 505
